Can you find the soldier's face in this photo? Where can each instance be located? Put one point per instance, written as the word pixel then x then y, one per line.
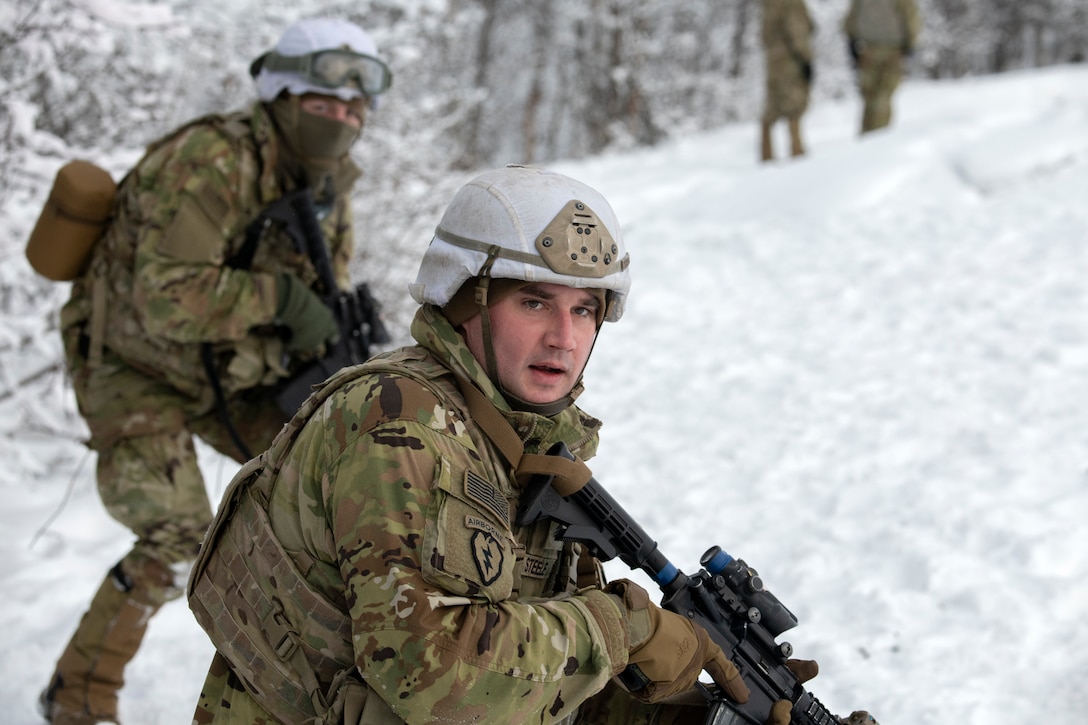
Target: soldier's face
pixel 331 107
pixel 542 335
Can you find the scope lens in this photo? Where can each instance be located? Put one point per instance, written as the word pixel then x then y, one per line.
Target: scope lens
pixel 715 560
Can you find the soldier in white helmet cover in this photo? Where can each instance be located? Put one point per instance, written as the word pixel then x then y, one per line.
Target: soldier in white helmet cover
pixel 188 316
pixel 369 567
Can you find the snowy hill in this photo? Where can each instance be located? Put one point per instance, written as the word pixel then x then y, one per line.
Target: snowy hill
pixel 865 372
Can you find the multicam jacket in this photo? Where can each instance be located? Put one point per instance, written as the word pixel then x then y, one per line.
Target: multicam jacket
pixel 168 276
pixel 787 47
pixel 389 505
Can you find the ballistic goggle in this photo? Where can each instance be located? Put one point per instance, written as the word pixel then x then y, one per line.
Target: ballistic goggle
pixel 331 69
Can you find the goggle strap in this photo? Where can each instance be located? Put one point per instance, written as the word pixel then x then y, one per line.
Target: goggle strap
pixel 257 64
pixel 273 61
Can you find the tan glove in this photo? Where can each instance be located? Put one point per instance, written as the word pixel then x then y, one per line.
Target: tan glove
pixel 780 713
pixel 671 651
pixel 805 671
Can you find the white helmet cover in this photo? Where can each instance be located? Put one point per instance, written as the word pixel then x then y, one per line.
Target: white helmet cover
pixel 521 214
pixel 309 36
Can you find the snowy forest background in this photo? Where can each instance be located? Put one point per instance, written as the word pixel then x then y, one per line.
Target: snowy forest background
pixel 898 342
pixel 477 84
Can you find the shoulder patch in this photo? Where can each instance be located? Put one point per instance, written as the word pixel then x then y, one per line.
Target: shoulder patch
pixel 192 236
pixel 488 555
pixel 485 494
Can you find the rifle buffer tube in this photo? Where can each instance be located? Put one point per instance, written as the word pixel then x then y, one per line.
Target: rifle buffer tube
pixel 595 508
pixel 636 549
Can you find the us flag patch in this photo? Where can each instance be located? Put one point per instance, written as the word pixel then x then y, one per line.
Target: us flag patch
pixel 487 496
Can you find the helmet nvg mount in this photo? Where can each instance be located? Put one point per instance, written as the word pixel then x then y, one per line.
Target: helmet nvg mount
pixel 529 224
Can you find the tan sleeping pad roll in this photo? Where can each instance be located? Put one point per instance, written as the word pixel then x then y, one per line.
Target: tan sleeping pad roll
pixel 73 219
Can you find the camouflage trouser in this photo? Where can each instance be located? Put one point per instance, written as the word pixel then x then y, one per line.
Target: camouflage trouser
pixel 148 477
pixel 786 97
pixel 149 480
pixel 880 69
pixel 787 92
pixel 152 484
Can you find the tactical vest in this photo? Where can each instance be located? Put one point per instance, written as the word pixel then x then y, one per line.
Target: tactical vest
pixel 256 630
pixel 248 594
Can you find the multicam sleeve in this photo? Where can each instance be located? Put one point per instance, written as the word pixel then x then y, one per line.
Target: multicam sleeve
pixel 189 214
pixel 428 563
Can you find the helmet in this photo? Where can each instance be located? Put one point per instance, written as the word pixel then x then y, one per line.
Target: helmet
pixel 528 224
pixel 322 55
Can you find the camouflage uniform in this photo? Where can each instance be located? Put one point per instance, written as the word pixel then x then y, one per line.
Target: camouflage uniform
pixel 787 29
pixel 165 286
pixel 880 33
pixel 402 577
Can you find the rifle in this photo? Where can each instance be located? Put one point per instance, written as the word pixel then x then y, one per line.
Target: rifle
pixel 357 313
pixel 726 598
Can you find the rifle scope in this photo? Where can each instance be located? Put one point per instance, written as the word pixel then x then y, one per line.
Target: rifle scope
pixel 729 575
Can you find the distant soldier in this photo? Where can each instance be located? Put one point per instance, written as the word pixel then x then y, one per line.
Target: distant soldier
pixel 880 33
pixel 787 29
pixel 186 318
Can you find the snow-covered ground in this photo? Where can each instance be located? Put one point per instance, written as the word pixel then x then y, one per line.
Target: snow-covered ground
pixel 864 372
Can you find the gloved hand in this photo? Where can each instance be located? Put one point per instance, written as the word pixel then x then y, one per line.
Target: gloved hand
pixel 780 713
pixel 859 717
pixel 805 671
pixel 671 651
pixel 302 312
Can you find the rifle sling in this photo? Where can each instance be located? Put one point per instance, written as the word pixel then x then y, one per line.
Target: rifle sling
pixel 208 359
pixel 568 476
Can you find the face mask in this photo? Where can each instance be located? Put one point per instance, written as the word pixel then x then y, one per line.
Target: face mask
pixel 317 142
pixel 324 141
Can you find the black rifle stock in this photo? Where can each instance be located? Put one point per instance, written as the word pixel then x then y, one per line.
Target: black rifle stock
pixel 356 311
pixel 726 597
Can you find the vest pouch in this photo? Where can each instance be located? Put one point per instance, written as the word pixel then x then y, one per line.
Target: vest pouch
pixel 73 219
